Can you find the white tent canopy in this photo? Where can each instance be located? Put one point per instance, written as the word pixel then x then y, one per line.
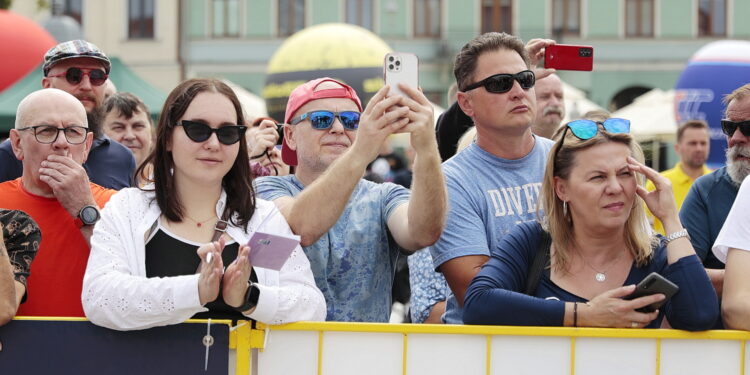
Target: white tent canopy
pixel 651 115
pixel 576 103
pixel 253 105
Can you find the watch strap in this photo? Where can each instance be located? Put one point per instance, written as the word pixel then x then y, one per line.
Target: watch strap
pixel 251 297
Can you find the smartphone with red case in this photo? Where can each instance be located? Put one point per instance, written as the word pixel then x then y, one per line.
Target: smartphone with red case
pixel 569 57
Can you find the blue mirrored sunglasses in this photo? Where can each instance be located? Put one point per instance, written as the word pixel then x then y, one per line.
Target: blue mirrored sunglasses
pixel 323 120
pixel 587 129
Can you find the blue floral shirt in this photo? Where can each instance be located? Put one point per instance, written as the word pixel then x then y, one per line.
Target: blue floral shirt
pixel 354 262
pixel 427 286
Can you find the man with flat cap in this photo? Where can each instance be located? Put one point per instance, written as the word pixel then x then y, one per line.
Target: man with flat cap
pixel 81 69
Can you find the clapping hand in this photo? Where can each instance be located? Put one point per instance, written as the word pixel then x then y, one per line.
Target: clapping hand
pixel 236 278
pixel 211 269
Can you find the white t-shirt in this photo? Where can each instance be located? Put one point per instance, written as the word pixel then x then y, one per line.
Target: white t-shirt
pixel 736 230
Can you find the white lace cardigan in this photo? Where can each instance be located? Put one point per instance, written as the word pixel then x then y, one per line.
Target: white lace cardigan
pixel 118 295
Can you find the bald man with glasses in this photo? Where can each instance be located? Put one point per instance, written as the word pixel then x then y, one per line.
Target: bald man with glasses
pixel 52 140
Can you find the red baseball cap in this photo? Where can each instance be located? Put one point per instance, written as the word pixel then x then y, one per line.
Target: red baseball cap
pixel 305 93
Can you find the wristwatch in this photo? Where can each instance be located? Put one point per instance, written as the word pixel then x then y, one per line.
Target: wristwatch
pixel 88 215
pixel 679 234
pixel 251 297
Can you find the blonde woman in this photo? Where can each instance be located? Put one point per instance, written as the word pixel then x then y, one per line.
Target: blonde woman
pixel 600 245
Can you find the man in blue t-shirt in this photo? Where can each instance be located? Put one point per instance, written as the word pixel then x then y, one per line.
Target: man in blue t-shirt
pixel 494 183
pixel 709 200
pixel 81 69
pixel 353 230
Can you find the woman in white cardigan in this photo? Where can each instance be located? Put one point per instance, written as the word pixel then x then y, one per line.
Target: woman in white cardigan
pixel 149 242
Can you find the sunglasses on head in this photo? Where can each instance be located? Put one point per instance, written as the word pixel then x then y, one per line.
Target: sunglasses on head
pixel 74 76
pixel 323 120
pixel 500 83
pixel 200 132
pixel 728 127
pixel 587 129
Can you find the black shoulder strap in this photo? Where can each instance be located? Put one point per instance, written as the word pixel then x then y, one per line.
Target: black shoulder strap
pixel 541 258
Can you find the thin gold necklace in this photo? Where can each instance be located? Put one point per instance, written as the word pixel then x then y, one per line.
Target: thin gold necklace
pixel 199 223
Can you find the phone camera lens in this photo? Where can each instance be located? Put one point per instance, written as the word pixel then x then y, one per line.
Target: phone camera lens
pixel 390 66
pixel 398 63
pixel 390 58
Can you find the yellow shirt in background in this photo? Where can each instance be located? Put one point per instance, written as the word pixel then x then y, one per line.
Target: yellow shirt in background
pixel 680 186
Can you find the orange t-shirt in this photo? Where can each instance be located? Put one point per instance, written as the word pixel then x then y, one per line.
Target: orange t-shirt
pixel 54 287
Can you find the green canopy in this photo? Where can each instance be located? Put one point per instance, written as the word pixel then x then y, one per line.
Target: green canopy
pixel 125 79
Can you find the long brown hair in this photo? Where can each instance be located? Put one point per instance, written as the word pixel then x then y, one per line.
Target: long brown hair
pixel 560 162
pixel 237 183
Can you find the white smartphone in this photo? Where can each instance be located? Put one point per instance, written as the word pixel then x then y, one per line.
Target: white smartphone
pixel 401 67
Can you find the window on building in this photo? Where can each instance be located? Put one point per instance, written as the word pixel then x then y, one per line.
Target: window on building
pixel 712 18
pixel 70 8
pixel 566 17
pixel 291 16
pixel 225 18
pixel 497 15
pixel 359 12
pixel 639 18
pixel 141 19
pixel 427 18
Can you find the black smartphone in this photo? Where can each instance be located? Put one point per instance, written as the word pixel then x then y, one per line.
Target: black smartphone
pixel 653 284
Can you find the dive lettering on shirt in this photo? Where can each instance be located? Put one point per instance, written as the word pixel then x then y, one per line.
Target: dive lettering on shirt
pixel 515 200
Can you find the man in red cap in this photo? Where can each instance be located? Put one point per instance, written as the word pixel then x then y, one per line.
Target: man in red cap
pixel 353 230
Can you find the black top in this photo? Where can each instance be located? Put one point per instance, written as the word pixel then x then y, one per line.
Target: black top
pixel 168 256
pixel 451 125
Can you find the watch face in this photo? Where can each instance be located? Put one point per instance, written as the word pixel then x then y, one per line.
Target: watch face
pixel 89 215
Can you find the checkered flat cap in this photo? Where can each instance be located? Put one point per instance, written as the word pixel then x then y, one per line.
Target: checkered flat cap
pixel 71 50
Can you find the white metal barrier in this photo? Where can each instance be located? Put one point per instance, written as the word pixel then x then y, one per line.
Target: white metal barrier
pixel 356 348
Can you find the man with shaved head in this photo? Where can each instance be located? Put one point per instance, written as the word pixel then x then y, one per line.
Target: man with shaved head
pixel 52 141
pixel 353 230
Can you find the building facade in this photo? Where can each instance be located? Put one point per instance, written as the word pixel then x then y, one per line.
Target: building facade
pixel 638 44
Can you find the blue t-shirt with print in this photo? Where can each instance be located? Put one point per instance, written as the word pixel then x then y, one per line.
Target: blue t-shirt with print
pixel 487 197
pixel 354 262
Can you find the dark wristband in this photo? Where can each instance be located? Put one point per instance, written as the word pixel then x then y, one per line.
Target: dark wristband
pixel 575 314
pixel 251 297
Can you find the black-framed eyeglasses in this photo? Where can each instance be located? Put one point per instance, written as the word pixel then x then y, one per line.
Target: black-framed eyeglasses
pixel 323 120
pixel 74 76
pixel 586 129
pixel 500 83
pixel 48 133
pixel 728 127
pixel 200 132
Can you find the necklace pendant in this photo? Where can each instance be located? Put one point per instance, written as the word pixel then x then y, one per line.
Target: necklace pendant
pixel 600 277
pixel 200 225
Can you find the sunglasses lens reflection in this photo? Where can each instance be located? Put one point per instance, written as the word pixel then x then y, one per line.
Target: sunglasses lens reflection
pixel 321 119
pixel 74 76
pixel 583 129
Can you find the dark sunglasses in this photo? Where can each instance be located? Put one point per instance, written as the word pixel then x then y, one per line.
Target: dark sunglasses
pixel 587 129
pixel 74 76
pixel 200 132
pixel 500 83
pixel 728 127
pixel 323 120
